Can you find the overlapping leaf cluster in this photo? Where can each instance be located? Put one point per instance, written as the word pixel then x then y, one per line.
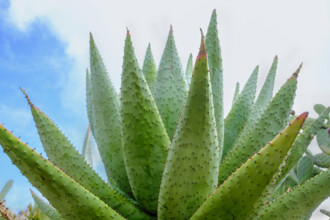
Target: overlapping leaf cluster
pixel 168 151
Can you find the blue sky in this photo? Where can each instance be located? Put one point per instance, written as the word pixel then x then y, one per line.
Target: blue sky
pixel 36 60
pixel 44 50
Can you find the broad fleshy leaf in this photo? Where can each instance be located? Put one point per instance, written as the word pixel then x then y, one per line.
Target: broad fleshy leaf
pixel 300 146
pixel 192 165
pixel 149 69
pixel 71 199
pixel 170 86
pixel 145 141
pixel 236 196
pixel 106 121
pixel 261 103
pixel 240 112
pixel 216 74
pixel 61 152
pixel 300 201
pixel 271 122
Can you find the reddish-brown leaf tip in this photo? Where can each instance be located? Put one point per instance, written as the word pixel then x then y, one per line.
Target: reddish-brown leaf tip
pixel 295 74
pixel 202 49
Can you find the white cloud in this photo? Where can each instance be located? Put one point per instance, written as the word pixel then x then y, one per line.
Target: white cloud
pixel 251 33
pixel 21 117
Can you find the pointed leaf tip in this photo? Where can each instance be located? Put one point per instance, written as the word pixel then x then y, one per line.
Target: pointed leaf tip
pixel 202 50
pixel 214 11
pixel 303 115
pixel 127 32
pixel 171 29
pixel 295 74
pixel 27 97
pixel 276 57
pixel 91 39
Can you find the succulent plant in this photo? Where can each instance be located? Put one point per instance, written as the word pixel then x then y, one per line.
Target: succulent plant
pixel 168 151
pixel 309 165
pixel 5 189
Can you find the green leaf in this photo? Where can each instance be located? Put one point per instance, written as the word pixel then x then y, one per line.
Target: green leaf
pixel 234 198
pixel 300 146
pixel 5 189
pixel 261 103
pixel 149 68
pixel 49 211
pixel 87 148
pixel 61 152
pixel 145 141
pixel 316 170
pixel 236 94
pixel 304 169
pixel 240 112
pixel 89 104
pixel 323 139
pixel 300 201
pixel 189 69
pixel 322 160
pixel 271 122
pixel 265 94
pixel 71 199
pixel 106 121
pixel 291 159
pixel 216 74
pixel 319 108
pixel 192 165
pixel 170 86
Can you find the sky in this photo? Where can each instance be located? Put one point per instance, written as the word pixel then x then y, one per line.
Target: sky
pixel 44 50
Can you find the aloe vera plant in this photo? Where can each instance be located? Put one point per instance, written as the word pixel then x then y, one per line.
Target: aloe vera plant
pixel 168 151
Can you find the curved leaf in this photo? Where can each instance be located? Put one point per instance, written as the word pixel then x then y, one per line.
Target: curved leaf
pixel 271 122
pixel 300 201
pixel 234 199
pixel 66 195
pixel 61 152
